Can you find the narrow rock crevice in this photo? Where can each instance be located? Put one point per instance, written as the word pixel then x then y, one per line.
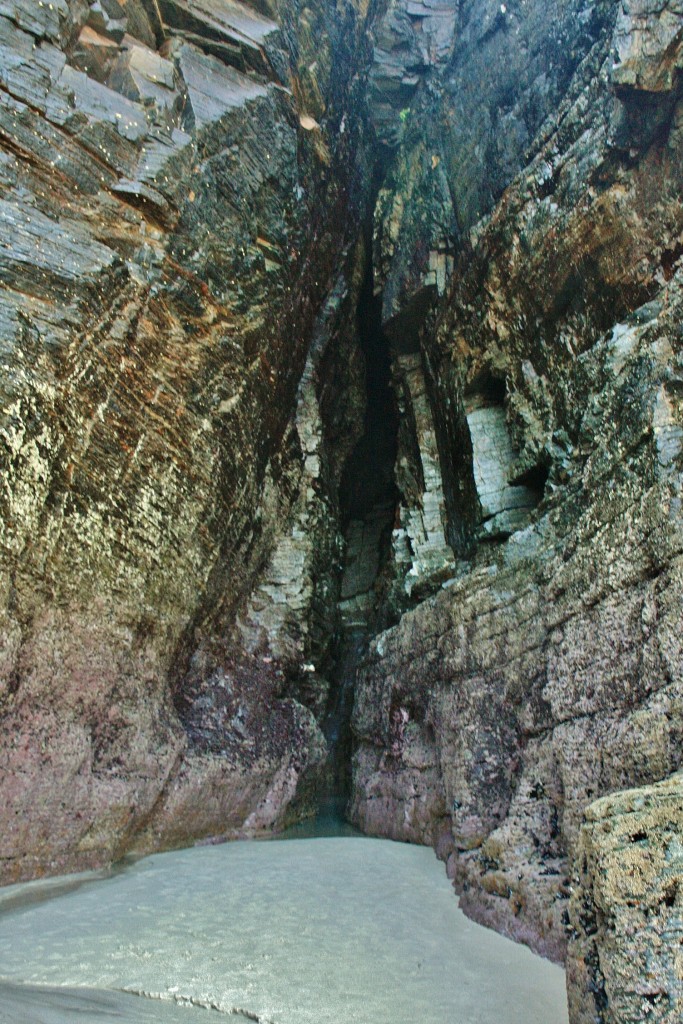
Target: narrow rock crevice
pixel 368 499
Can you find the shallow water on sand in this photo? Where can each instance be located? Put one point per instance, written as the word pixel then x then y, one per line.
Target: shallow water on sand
pixel 320 931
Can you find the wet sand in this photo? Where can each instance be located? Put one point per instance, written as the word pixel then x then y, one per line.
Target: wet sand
pixel 318 931
pixel 43 1004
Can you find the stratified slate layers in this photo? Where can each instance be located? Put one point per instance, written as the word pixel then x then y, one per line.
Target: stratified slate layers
pixel 548 670
pixel 169 235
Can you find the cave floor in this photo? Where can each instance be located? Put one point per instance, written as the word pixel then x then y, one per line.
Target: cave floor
pixel 320 931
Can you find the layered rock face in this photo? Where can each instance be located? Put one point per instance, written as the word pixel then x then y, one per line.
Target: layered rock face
pixel 546 670
pixel 182 188
pixel 548 674
pixel 184 441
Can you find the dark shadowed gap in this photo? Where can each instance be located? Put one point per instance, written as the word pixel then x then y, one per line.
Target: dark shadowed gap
pixel 367 482
pixel 368 499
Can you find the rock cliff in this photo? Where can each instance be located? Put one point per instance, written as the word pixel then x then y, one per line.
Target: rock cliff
pixel 528 237
pixel 318 319
pixel 183 185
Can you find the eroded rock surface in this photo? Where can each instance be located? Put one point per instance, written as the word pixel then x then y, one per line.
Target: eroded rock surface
pixel 546 676
pixel 625 958
pixel 548 671
pixel 179 202
pixel 184 427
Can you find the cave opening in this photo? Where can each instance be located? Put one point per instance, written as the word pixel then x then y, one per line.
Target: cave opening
pixel 368 498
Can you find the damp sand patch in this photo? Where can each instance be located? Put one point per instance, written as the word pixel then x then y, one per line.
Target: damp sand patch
pixel 46 1004
pixel 318 931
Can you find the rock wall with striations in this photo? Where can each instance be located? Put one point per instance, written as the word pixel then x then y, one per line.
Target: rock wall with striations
pixel 182 261
pixel 182 186
pixel 547 670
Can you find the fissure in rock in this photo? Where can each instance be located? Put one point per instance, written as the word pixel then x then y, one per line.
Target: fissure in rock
pixel 368 499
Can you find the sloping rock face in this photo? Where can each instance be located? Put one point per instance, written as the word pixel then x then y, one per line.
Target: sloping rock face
pixel 547 671
pixel 182 185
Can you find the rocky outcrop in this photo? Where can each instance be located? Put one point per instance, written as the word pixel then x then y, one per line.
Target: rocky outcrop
pixel 546 676
pixel 467 132
pixel 625 962
pixel 181 192
pixel 421 553
pixel 548 670
pixel 410 39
